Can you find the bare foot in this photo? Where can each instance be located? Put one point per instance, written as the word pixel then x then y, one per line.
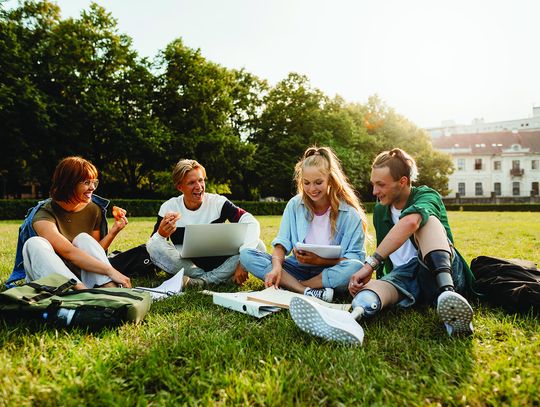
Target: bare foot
pixel 240 275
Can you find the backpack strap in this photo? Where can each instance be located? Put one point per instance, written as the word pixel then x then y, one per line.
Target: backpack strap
pixel 46 291
pixel 101 291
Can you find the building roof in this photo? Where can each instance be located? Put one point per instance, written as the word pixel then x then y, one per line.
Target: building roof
pixel 488 143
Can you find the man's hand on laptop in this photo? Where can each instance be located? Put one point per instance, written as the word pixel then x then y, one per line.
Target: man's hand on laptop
pixel 167 225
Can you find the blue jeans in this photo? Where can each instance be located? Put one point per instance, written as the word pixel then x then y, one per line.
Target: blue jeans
pixel 417 283
pixel 259 264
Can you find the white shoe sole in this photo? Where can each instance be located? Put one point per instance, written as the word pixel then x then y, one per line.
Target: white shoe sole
pixel 324 322
pixel 456 313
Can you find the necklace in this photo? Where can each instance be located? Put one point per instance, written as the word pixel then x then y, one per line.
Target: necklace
pixel 322 212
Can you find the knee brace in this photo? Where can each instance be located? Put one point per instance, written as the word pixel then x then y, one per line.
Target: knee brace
pixel 366 303
pixel 439 263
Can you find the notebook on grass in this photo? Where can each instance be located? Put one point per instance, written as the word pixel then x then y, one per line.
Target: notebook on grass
pixel 265 302
pixel 214 239
pixel 239 302
pixel 282 298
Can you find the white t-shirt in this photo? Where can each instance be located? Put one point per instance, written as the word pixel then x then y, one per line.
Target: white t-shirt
pixel 210 210
pixel 407 250
pixel 214 209
pixel 319 229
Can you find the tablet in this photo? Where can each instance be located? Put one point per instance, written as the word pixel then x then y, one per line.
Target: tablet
pixel 321 250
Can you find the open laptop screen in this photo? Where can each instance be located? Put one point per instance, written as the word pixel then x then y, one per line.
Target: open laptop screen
pixel 214 239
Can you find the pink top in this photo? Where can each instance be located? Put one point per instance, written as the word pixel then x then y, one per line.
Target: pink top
pixel 319 229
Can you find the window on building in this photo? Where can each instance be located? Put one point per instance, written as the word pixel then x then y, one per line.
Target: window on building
pixel 534 165
pixel 461 188
pixel 534 189
pixel 478 189
pixel 515 188
pixel 461 164
pixel 497 188
pixel 497 165
pixel 477 163
pixel 515 165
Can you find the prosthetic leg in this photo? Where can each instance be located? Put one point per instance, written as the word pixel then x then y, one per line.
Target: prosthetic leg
pixel 433 244
pixel 453 309
pixel 372 299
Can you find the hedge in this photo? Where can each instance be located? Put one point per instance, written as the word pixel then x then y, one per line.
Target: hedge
pixel 17 208
pixel 507 207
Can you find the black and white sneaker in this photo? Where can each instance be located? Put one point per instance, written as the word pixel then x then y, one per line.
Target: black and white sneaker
pixel 325 294
pixel 324 322
pixel 456 313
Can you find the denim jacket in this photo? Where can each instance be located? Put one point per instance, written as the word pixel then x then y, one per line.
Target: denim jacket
pixel 26 231
pixel 349 232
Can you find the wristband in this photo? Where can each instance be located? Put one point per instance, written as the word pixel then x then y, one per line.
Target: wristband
pixel 378 257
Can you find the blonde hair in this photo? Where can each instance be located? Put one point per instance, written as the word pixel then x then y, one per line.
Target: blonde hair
pixel 184 166
pixel 326 161
pixel 399 162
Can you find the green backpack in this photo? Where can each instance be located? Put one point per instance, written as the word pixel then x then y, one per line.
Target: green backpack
pixel 50 299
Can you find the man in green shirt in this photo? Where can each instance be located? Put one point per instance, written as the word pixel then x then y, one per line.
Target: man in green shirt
pixel 415 259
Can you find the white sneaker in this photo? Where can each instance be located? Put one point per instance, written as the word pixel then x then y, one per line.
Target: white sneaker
pixel 328 323
pixel 456 313
pixel 325 294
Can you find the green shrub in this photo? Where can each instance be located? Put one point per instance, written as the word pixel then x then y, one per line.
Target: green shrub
pixel 136 207
pixel 509 207
pixel 17 208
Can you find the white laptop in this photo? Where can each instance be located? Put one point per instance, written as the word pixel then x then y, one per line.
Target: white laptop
pixel 214 239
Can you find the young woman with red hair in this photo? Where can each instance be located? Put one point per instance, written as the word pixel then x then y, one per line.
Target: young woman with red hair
pixel 69 233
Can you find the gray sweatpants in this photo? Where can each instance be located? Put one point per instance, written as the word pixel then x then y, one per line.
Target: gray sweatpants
pixel 164 255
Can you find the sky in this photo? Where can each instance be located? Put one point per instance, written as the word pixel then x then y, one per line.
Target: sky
pixel 430 60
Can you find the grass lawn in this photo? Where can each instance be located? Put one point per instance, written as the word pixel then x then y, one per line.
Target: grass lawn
pixel 188 351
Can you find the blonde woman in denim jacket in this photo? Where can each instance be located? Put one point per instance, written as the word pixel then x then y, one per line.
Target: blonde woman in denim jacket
pixel 325 211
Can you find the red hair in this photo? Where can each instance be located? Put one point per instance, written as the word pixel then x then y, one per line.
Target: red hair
pixel 68 173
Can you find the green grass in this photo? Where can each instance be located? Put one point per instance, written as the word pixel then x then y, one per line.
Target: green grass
pixel 188 351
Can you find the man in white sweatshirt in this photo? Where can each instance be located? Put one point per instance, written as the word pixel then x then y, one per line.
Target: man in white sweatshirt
pixel 196 206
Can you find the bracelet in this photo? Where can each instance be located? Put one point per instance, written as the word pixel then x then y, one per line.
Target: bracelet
pixel 378 257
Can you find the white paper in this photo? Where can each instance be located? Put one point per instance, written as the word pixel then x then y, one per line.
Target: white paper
pixel 169 288
pixel 282 298
pixel 324 251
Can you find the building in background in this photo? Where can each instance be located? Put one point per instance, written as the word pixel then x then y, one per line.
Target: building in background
pixel 502 166
pixel 449 128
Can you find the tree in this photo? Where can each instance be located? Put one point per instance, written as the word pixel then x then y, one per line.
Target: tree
pixel 75 87
pixel 393 130
pixel 290 122
pixel 25 122
pixel 209 112
pixel 105 100
pixel 348 136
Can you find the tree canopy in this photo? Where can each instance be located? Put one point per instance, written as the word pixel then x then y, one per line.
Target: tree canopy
pixel 76 86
